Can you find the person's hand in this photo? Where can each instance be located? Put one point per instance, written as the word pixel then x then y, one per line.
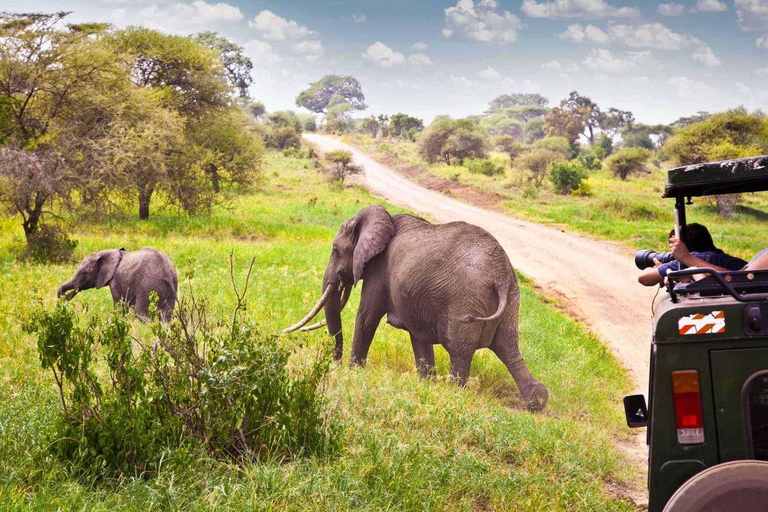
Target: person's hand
pixel 679 250
pixel 656 263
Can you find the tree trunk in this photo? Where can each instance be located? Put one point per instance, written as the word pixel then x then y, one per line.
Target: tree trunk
pixel 725 204
pixel 31 225
pixel 213 172
pixel 145 195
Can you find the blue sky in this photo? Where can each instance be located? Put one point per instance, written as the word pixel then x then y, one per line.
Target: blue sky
pixel 660 59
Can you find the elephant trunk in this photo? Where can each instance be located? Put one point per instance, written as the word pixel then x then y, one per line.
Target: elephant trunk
pixel 68 290
pixel 333 320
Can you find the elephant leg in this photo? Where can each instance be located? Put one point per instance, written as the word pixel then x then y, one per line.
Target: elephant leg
pixel 425 357
pixel 141 307
pixel 505 346
pixel 460 365
pixel 372 309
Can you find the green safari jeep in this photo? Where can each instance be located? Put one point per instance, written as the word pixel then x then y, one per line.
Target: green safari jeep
pixel 707 413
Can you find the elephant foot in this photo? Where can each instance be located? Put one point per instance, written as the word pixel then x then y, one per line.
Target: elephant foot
pixel 536 397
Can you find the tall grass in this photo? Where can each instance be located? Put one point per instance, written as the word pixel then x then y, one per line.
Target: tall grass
pixel 407 444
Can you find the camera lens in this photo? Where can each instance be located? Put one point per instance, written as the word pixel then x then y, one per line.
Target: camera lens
pixel 644 259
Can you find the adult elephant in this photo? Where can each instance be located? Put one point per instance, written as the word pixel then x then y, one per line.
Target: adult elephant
pixel 131 276
pixel 443 283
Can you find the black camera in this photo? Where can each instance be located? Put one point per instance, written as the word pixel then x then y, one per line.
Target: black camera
pixel 644 259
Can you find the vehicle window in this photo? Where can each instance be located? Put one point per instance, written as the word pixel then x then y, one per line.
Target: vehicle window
pixel 756 395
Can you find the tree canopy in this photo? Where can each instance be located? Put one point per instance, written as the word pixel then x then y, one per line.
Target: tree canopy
pixel 236 64
pixel 332 90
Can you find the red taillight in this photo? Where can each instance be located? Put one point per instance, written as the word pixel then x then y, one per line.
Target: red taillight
pixel 689 418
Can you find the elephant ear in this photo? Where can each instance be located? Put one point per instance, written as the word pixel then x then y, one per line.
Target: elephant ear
pixel 375 229
pixel 106 265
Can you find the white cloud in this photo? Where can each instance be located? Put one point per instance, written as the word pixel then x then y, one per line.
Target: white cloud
pixel 481 21
pixel 489 73
pixel 671 9
pixel 383 55
pixel 651 35
pixel 461 83
pixel 743 88
pixel 311 50
pixel 195 14
pixel 705 55
pixel 420 46
pixel 552 65
pixel 419 59
pixel 762 42
pixel 276 28
pixel 600 59
pixel 711 6
pixel 359 18
pixel 752 14
pixel 589 34
pixel 590 9
pixel 761 71
pixel 288 34
pixel 260 51
pixel 690 89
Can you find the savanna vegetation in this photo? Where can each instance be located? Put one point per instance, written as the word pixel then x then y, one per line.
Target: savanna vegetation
pixel 592 169
pixel 131 138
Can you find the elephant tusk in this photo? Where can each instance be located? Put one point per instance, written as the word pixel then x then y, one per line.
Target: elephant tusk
pixel 311 314
pixel 312 327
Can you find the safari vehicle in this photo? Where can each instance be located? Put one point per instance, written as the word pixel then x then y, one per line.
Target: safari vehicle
pixel 707 414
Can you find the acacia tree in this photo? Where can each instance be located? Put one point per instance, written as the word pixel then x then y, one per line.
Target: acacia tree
pixel 506 101
pixel 47 76
pixel 332 90
pixel 236 64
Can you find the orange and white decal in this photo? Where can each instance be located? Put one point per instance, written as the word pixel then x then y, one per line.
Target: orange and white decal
pixel 702 323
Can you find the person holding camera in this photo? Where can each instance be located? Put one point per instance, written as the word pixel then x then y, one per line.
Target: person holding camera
pixel 695 248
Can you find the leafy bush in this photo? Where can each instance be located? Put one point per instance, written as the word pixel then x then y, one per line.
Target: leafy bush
pixel 50 244
pixel 508 145
pixel 283 137
pixel 484 166
pixel 589 157
pixel 567 176
pixel 537 162
pixel 342 165
pixel 221 387
pixel 557 144
pixel 446 138
pixel 626 161
pixel 530 192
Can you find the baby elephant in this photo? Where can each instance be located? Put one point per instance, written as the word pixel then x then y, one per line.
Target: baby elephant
pixel 131 277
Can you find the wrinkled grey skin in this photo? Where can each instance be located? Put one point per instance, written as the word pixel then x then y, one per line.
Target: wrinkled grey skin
pixel 131 277
pixel 450 284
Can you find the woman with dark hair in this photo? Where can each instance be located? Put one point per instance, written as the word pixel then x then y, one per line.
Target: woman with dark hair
pixel 695 248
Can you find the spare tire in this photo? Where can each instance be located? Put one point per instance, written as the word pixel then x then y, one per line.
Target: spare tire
pixel 740 485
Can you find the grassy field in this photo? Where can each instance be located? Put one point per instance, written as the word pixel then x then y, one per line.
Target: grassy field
pixel 630 211
pixel 408 444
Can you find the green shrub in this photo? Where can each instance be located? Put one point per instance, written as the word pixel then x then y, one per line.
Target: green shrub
pixel 626 161
pixel 219 387
pixel 537 162
pixel 484 166
pixel 341 164
pixel 530 192
pixel 556 144
pixel 49 245
pixel 566 176
pixel 283 137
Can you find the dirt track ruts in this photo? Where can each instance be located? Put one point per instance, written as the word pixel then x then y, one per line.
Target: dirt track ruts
pixel 593 279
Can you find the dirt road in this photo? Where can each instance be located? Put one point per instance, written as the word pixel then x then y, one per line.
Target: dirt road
pixel 595 280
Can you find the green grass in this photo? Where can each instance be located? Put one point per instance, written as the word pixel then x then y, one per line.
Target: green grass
pixel 630 211
pixel 408 444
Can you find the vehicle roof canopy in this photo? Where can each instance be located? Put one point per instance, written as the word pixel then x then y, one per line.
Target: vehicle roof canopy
pixel 726 177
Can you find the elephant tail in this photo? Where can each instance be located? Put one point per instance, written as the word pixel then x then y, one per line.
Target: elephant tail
pixel 502 289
